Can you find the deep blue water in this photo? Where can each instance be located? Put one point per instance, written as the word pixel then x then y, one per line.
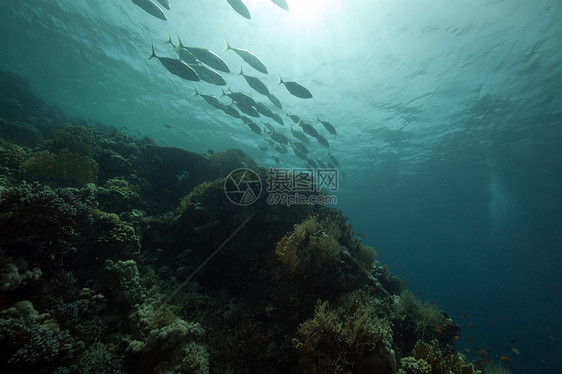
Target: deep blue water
pixel 449 122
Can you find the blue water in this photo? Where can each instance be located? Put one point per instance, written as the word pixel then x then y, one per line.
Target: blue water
pixel 449 122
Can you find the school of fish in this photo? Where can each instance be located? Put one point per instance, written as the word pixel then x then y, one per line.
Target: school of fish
pixel 197 64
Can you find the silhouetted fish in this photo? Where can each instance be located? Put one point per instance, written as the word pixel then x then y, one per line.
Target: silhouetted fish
pixel 249 57
pixel 165 3
pixel 322 140
pixel 240 98
pixel 231 111
pixel 264 111
pixel 255 83
pixel 334 160
pixel 208 75
pixel 280 3
pixel 328 126
pixel 240 8
pixel 151 8
pixel 296 89
pixel 212 100
pixel 275 101
pixel 308 129
pixel 176 67
pixel 299 135
pixel 209 58
pixel 277 118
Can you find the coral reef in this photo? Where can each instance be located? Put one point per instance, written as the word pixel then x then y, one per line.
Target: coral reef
pixel 126 249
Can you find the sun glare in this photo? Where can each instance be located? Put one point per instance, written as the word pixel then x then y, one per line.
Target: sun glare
pixel 310 9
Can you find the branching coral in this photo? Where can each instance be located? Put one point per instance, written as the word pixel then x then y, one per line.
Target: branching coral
pixel 308 246
pixel 338 339
pixel 65 165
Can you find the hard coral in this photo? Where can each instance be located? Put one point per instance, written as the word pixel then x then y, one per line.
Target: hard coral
pixel 337 340
pixel 66 166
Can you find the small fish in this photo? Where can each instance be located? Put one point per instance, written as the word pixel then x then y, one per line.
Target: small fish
pixel 211 100
pixel 165 3
pixel 281 4
pixel 263 110
pixel 472 340
pixel 277 118
pixel 240 98
pixel 176 67
pixel 471 325
pixel 322 140
pixel 231 111
pixel 515 350
pixel 280 148
pixel 299 135
pixel 279 138
pixel 300 147
pixel 250 58
pixel 321 164
pixel 208 75
pixel 246 119
pixel 275 101
pixel 466 349
pixel 166 126
pixel 513 341
pixel 255 83
pixel 363 235
pixel 328 126
pixel 262 148
pixel 298 153
pixel 312 163
pixel 457 337
pixel 333 159
pixel 247 109
pixel 296 119
pixel 183 53
pixel 255 128
pixel 269 127
pixel 240 8
pixel 209 58
pixel 463 315
pixel 151 8
pixel 296 89
pixel 308 129
pixel 276 159
pixel 505 358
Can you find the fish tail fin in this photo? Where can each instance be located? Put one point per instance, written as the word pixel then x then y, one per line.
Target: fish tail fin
pixel 223 93
pixel 153 54
pixel 226 46
pixel 280 80
pixel 196 92
pixel 241 72
pixel 318 118
pixel 180 45
pixel 169 41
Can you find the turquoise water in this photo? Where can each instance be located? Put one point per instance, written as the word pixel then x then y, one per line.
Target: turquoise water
pixel 448 117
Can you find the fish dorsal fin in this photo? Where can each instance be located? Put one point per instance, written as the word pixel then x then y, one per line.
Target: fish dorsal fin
pixel 180 44
pixel 169 41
